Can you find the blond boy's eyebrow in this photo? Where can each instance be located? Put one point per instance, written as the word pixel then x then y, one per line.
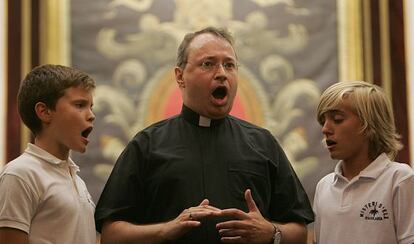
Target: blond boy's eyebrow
pixel 335 111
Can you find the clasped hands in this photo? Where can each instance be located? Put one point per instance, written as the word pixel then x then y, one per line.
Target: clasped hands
pixel 244 227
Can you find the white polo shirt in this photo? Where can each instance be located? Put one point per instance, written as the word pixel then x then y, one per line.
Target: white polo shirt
pixel 44 197
pixel 377 206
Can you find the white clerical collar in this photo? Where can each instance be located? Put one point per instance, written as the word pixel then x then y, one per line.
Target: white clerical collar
pixel 199 120
pixel 204 121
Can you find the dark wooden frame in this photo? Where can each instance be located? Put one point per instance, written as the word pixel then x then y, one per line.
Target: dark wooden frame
pixel 398 66
pixel 14 68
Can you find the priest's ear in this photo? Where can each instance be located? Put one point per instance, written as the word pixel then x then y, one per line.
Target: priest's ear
pixel 179 77
pixel 43 112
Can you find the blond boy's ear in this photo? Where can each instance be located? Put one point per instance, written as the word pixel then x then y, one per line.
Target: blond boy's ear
pixel 43 112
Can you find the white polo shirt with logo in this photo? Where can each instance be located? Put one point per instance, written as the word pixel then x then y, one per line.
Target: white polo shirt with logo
pixel 44 197
pixel 375 207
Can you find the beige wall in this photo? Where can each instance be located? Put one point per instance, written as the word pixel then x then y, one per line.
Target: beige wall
pixel 3 94
pixel 409 34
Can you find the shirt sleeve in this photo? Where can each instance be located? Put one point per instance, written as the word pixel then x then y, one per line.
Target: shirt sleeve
pixel 404 211
pixel 18 203
pixel 289 202
pixel 119 199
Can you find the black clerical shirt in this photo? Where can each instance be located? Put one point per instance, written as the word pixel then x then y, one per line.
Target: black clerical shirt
pixel 176 163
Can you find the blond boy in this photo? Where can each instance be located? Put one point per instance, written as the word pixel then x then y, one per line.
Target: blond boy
pixel 368 198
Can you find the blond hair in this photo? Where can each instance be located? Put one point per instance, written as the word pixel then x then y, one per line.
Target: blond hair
pixel 374 110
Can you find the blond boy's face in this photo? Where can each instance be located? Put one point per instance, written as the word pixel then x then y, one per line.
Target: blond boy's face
pixel 343 133
pixel 72 120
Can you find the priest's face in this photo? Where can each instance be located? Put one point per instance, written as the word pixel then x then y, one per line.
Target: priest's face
pixel 208 81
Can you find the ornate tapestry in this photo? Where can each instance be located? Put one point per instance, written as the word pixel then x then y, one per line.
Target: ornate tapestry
pixel 287 51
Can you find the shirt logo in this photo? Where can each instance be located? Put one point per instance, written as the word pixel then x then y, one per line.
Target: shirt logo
pixel 374 211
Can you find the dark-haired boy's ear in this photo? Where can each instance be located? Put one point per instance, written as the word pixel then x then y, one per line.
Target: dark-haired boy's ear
pixel 43 112
pixel 179 77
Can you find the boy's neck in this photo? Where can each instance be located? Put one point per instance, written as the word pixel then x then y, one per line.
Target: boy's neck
pixel 52 147
pixel 352 167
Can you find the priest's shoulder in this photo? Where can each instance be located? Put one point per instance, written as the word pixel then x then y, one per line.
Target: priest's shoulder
pixel 248 125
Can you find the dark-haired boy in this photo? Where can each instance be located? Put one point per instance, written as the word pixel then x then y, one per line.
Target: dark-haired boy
pixel 43 200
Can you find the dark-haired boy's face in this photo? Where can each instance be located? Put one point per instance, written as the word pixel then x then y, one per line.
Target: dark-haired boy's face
pixel 72 121
pixel 343 134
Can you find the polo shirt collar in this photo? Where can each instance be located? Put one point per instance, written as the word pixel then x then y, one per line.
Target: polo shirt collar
pixel 199 120
pixel 373 170
pixel 376 167
pixel 38 152
pixel 338 172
